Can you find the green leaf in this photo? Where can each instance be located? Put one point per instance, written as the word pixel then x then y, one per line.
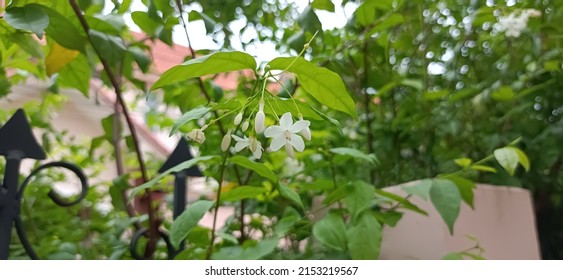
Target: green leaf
pixel 503 94
pixel 507 158
pixel 27 43
pixel 30 17
pixel 188 220
pixel 261 249
pixel 522 158
pixel 241 192
pixel 359 197
pixel 111 47
pixel 370 158
pixel 76 75
pixel 393 20
pixel 259 168
pixel 63 31
pixel 331 232
pixel 324 85
pixel 404 202
pixel 364 238
pixel 465 188
pixel 420 189
pixel 58 57
pixel 483 168
pixel 326 5
pixel 446 199
pixel 435 95
pixel 193 114
pixel 290 194
pixel 365 14
pixel 118 186
pixel 146 23
pixel 309 22
pixel 463 162
pixel 184 165
pixel 285 224
pixel 205 65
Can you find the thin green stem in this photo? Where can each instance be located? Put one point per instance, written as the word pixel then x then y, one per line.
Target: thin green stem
pixel 217 204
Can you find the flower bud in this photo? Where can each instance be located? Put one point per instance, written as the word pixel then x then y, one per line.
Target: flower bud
pixel 197 135
pixel 305 132
pixel 260 118
pixel 245 125
pixel 289 150
pixel 238 118
pixel 226 142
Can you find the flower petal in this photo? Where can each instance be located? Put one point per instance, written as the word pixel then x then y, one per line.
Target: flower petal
pixel 258 152
pixel 238 139
pixel 273 130
pixel 299 125
pixel 297 142
pixel 286 121
pixel 277 142
pixel 241 145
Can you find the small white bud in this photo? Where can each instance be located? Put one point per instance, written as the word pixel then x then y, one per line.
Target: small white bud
pixel 226 142
pixel 245 125
pixel 306 132
pixel 197 135
pixel 260 118
pixel 289 149
pixel 238 118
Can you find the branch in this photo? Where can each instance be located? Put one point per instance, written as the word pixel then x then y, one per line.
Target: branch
pixel 153 223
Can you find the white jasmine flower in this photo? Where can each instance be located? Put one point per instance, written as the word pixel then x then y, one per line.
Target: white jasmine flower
pixel 197 134
pixel 238 118
pixel 226 142
pixel 245 125
pixel 260 118
pixel 306 132
pixel 252 143
pixel 286 134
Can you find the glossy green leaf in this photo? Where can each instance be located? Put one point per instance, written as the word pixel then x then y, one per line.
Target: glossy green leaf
pixel 290 194
pixel 331 232
pixel 503 94
pixel 193 114
pixel 241 192
pixel 284 225
pixel 257 167
pixel 258 251
pixel 446 199
pixel 188 220
pixel 76 74
pixel 309 22
pixel 205 65
pixel 30 17
pixel 370 158
pixel 507 158
pixel 365 14
pixel 359 197
pixel 326 5
pixel 522 158
pixel 420 188
pixel 403 201
pixel 463 162
pixel 110 47
pixel 146 23
pixel 184 165
pixel 63 31
pixel 435 95
pixel 364 238
pixel 465 188
pixel 324 85
pixel 485 168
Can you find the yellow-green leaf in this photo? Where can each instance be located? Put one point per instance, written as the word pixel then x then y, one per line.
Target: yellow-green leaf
pixel 58 57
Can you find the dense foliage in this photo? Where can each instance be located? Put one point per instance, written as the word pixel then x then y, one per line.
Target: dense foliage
pixel 452 91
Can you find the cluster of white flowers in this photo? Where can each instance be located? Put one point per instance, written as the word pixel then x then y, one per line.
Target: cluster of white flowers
pixel 515 23
pixel 287 134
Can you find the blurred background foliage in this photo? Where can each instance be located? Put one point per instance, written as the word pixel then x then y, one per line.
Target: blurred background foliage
pixel 434 81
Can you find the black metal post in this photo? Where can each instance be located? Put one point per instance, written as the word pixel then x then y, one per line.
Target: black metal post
pixel 179 193
pixel 16 143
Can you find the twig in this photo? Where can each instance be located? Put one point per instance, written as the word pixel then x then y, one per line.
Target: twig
pixel 217 204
